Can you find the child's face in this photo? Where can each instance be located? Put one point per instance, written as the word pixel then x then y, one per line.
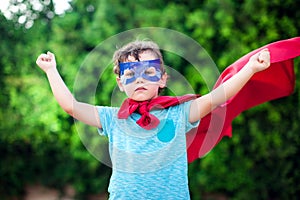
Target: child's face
pixel 139 88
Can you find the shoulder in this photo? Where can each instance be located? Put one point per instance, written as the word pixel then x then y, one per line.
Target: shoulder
pixel 182 107
pixel 178 113
pixel 107 112
pixel 107 116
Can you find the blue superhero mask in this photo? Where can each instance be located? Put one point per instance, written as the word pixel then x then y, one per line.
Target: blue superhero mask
pixel 149 70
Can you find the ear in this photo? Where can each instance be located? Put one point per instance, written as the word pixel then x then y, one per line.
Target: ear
pixel 120 84
pixel 163 80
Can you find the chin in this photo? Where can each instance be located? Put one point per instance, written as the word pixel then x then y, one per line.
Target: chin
pixel 142 97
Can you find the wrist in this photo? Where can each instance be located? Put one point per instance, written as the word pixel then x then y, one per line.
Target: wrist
pixel 249 69
pixel 51 70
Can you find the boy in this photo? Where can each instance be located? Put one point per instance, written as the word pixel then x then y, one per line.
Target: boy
pixel 146 134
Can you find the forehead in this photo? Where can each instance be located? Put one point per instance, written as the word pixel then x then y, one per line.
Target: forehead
pixel 145 55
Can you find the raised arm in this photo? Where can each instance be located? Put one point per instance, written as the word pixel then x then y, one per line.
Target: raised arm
pixel 81 111
pixel 205 104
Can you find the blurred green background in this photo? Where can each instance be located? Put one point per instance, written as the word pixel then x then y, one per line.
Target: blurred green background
pixel 39 142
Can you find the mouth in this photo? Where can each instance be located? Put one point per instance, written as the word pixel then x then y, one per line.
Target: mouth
pixel 140 89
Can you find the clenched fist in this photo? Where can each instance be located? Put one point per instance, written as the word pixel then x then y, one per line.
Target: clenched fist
pixel 260 61
pixel 46 61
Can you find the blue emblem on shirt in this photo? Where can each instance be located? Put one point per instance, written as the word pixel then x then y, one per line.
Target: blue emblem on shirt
pixel 167 132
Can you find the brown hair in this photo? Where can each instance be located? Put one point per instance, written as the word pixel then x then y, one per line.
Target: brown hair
pixel 134 49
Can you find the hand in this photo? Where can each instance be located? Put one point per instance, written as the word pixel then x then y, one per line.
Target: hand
pixel 260 61
pixel 46 61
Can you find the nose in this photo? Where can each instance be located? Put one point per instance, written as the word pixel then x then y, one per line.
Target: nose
pixel 139 80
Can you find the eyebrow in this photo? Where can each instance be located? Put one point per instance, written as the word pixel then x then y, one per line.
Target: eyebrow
pixel 128 65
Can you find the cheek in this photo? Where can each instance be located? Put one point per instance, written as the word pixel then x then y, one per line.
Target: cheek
pixel 153 89
pixel 129 89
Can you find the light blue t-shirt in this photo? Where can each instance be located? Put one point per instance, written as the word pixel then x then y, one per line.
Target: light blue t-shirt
pixel 148 164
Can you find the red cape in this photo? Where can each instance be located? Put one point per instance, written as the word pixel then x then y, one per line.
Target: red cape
pixel 275 82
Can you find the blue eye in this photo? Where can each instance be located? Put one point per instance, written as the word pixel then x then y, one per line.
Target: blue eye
pixel 128 73
pixel 151 71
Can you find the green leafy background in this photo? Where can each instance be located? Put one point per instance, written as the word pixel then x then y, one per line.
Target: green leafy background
pixel 39 142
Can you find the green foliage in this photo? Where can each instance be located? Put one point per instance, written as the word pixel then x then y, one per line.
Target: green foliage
pixel 40 143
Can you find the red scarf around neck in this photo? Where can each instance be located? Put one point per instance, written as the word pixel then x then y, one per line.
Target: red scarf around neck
pixel 275 82
pixel 147 120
